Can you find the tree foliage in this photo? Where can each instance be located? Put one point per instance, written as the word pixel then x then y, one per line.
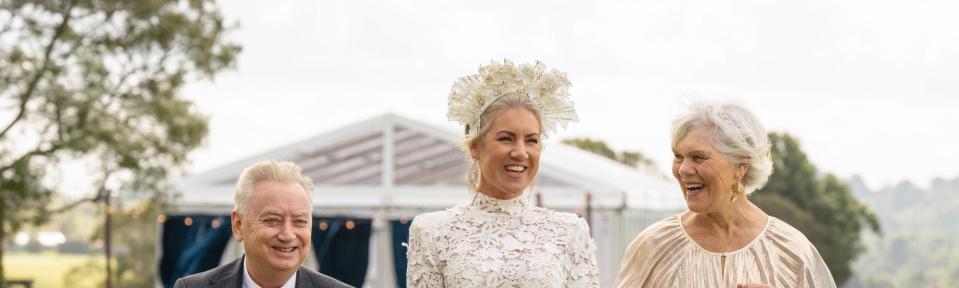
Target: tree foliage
pixel 99 81
pixel 630 158
pixel 821 206
pixel 135 262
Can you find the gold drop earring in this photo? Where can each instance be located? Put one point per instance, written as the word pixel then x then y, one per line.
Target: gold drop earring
pixel 737 189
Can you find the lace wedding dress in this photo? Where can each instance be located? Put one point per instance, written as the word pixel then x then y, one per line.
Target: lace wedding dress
pixel 500 243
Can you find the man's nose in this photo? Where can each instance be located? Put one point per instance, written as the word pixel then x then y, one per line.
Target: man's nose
pixel 286 231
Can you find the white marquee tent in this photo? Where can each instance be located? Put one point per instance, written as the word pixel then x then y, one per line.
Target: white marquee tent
pixel 392 167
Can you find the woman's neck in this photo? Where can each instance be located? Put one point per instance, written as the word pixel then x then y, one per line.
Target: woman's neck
pixel 498 193
pixel 725 230
pixel 736 216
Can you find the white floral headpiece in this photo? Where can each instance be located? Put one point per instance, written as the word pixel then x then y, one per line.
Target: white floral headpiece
pixel 549 91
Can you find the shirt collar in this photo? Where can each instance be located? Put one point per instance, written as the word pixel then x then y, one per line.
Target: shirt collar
pixel 248 281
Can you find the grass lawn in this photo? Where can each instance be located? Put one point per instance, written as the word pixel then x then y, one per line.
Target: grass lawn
pixel 45 269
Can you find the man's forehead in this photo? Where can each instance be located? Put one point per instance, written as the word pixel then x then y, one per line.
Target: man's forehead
pixel 262 205
pixel 279 211
pixel 278 196
pixel 281 185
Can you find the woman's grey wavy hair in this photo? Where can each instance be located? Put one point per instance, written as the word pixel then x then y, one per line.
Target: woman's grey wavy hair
pixel 737 134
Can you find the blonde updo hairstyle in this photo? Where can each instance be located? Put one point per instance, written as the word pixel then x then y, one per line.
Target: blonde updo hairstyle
pixel 737 134
pixel 504 102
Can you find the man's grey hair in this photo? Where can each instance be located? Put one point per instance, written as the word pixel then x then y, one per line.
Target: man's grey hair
pixel 269 171
pixel 737 134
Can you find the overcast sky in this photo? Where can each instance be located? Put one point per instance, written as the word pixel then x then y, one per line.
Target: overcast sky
pixel 869 87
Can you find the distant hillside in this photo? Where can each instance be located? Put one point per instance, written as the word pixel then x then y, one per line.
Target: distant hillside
pixel 920 242
pixel 907 207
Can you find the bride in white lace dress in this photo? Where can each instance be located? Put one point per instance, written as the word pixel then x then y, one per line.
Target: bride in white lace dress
pixel 500 239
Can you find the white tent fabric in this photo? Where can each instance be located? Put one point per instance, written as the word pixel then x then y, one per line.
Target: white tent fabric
pixel 425 169
pixel 392 166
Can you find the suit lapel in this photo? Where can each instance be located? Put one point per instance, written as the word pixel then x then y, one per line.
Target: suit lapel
pixel 302 279
pixel 230 277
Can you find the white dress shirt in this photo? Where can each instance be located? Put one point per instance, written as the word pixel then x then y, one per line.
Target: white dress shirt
pixel 248 281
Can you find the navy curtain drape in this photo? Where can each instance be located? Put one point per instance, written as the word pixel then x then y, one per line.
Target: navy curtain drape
pixel 400 230
pixel 192 244
pixel 342 247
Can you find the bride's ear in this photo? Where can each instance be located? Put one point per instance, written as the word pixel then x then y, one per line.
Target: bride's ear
pixel 474 150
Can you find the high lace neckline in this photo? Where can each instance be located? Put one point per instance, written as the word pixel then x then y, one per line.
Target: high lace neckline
pixel 509 206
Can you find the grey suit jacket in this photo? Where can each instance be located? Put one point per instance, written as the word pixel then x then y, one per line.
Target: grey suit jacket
pixel 231 276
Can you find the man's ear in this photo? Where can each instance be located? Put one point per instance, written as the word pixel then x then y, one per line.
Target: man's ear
pixel 235 218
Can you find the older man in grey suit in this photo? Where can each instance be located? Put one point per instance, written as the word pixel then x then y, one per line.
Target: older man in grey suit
pixel 272 217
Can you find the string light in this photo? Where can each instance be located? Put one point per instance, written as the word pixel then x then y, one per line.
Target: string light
pixel 350 225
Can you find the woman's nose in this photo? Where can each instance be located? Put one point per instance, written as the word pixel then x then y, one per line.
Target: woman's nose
pixel 686 168
pixel 519 153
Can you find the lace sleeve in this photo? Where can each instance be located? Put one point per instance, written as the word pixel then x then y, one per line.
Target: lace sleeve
pixel 582 270
pixel 423 269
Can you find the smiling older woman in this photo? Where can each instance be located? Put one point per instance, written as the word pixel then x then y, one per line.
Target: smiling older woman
pixel 499 239
pixel 721 155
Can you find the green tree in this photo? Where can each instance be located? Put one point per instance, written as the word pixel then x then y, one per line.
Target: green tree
pixel 98 81
pixel 821 206
pixel 136 262
pixel 630 158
